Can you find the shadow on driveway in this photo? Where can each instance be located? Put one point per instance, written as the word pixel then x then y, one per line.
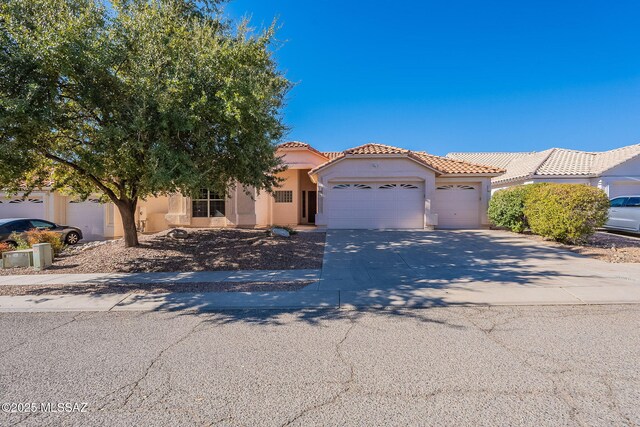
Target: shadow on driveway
pixel 408 260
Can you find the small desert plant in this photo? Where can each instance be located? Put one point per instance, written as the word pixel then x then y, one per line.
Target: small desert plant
pixel 5 247
pixel 35 236
pixel 20 240
pixel 567 213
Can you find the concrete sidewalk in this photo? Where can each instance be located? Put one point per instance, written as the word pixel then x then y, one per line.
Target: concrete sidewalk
pixel 159 278
pixel 459 295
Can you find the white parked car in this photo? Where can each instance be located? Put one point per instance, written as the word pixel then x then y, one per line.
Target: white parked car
pixel 624 214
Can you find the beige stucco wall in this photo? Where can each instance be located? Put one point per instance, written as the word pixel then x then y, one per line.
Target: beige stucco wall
pixel 301 158
pixel 287 213
pixel 152 212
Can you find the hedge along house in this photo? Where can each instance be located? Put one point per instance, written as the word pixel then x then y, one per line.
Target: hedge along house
pixel 617 172
pixel 370 186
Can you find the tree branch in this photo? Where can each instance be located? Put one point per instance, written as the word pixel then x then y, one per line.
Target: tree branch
pixel 77 168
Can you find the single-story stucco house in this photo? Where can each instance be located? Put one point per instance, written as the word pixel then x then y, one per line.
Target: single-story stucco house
pixel 369 186
pixel 617 171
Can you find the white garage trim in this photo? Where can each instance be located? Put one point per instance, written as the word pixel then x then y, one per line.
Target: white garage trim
pixel 458 205
pixel 373 205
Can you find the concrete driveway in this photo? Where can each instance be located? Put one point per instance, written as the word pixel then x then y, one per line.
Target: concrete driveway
pixel 399 264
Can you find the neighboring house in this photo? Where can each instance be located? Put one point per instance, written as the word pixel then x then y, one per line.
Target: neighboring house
pixel 370 186
pixel 97 220
pixel 617 171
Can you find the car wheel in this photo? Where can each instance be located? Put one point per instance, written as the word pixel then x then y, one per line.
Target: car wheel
pixel 72 238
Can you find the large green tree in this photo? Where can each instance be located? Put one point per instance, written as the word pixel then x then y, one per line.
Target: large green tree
pixel 135 98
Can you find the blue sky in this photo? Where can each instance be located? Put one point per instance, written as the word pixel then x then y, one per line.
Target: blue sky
pixel 454 75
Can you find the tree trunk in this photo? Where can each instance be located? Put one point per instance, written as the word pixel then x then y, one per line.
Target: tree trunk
pixel 127 211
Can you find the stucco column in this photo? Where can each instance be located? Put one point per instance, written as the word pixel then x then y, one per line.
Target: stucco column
pixel 485 195
pixel 430 218
pixel 179 212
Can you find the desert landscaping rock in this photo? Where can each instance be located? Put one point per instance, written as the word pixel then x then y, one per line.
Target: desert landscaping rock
pixel 280 232
pixel 204 250
pixel 178 233
pixel 605 246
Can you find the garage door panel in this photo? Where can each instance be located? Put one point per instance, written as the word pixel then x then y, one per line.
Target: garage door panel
pixel 88 216
pixel 367 205
pixel 458 205
pixel 16 207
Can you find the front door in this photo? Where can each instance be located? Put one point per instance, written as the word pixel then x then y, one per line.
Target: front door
pixel 311 206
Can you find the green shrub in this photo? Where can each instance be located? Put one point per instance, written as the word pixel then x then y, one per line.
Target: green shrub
pixel 506 207
pixel 35 236
pixel 567 213
pixel 21 241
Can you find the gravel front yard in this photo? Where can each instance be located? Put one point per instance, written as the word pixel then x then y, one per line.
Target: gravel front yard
pixel 616 248
pixel 203 250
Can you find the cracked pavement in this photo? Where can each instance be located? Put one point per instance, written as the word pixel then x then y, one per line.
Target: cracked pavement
pixel 530 366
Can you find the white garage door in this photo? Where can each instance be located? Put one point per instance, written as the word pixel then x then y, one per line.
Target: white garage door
pixel 374 205
pixel 458 205
pixel 617 189
pixel 15 207
pixel 87 216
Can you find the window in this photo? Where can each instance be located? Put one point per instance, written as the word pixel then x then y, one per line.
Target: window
pixel 207 205
pixel 285 196
pixel 18 226
pixel 37 223
pixel 618 202
pixel 455 187
pixel 356 186
pixel 633 202
pixel 387 186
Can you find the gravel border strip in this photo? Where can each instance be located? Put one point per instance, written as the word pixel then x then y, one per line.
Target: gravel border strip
pixel 151 288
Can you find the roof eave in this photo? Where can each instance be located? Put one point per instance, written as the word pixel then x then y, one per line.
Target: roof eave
pixel 465 174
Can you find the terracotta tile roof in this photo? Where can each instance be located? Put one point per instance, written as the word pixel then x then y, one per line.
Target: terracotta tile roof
pixel 294 144
pixel 552 162
pixel 332 154
pixel 452 166
pixel 298 144
pixel 372 148
pixel 442 165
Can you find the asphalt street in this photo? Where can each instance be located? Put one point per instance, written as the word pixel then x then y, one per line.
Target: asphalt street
pixel 533 366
